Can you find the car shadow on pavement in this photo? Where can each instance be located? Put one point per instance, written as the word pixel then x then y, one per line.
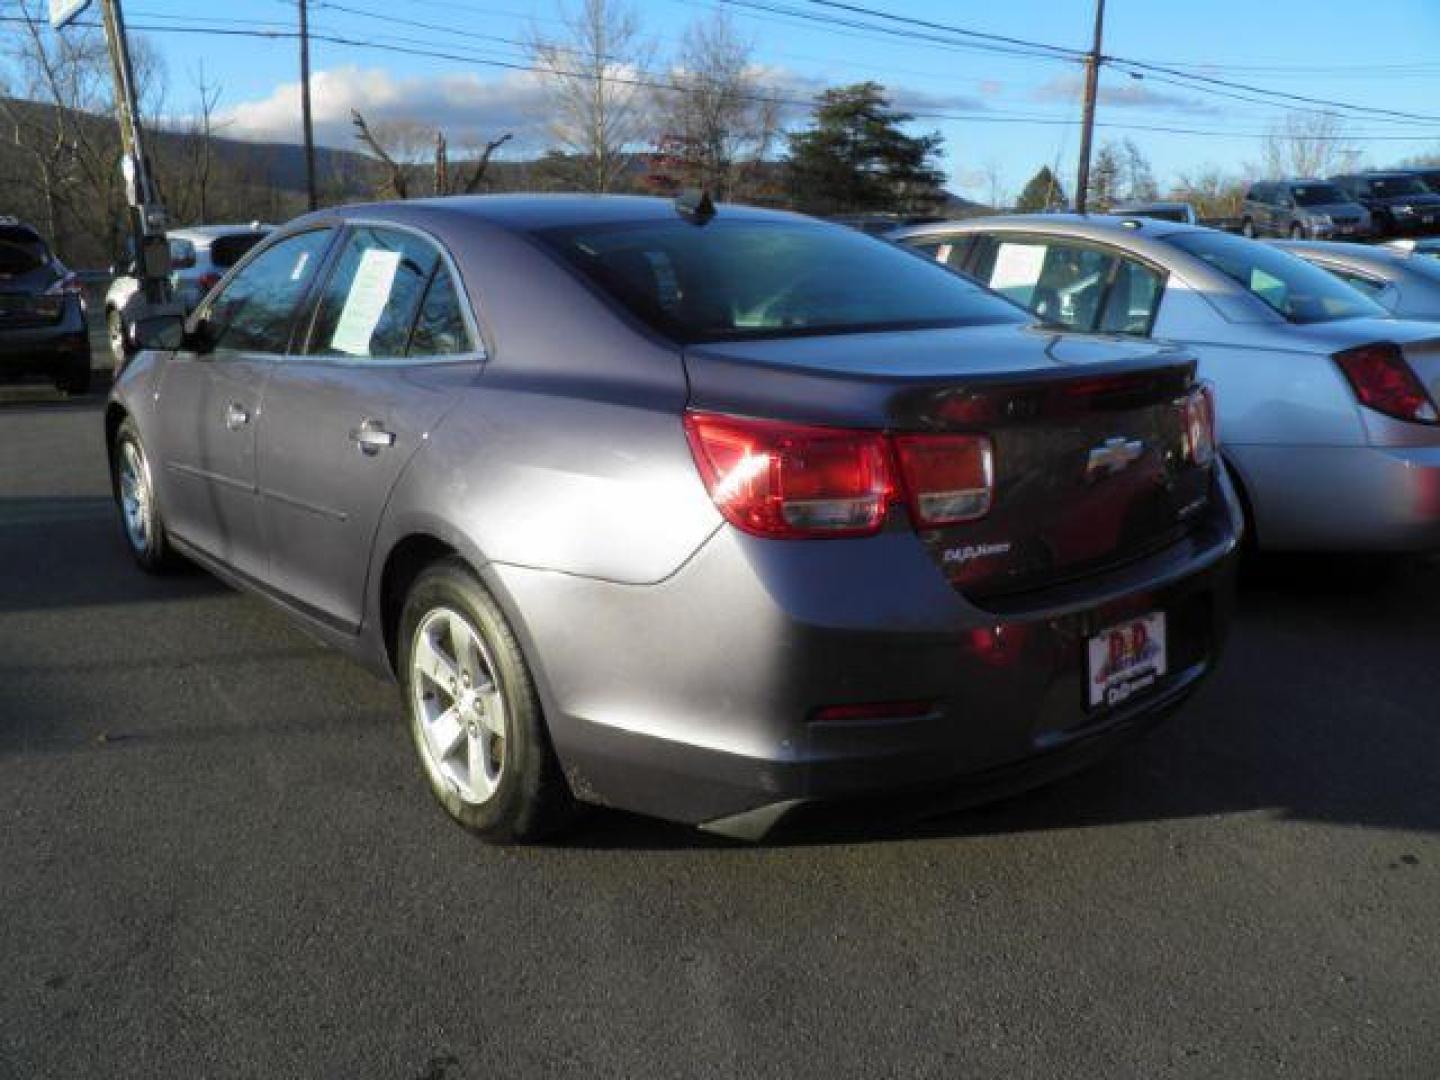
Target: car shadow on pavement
pixel 1325 709
pixel 69 551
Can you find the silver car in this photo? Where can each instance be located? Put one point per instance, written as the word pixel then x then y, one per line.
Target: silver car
pixel 702 513
pixel 1326 406
pixel 1405 283
pixel 199 257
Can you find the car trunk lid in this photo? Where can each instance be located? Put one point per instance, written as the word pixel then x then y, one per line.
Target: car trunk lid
pixel 1088 434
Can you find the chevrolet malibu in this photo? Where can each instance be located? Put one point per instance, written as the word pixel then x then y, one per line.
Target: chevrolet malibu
pixel 1327 406
pixel 700 512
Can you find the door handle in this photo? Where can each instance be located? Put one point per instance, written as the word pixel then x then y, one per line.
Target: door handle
pixel 236 416
pixel 372 437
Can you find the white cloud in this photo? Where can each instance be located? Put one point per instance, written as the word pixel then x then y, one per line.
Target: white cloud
pixel 1130 94
pixel 464 106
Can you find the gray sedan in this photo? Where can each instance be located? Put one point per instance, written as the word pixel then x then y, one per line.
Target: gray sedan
pixel 1327 406
pixel 693 512
pixel 1404 283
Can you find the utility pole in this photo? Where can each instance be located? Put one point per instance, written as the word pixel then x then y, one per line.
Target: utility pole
pixel 1087 124
pixel 147 215
pixel 305 103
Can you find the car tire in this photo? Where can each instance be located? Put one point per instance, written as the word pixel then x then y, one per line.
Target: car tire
pixel 1247 228
pixel 474 714
pixel 120 350
pixel 140 519
pixel 74 376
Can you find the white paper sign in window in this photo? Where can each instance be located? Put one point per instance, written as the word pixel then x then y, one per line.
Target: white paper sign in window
pixel 369 293
pixel 1017 266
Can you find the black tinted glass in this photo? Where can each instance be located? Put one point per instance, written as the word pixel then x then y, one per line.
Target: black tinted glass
pixel 21 251
pixel 440 329
pixel 255 311
pixel 730 280
pixel 1300 292
pixel 226 251
pixel 1318 195
pixel 1391 186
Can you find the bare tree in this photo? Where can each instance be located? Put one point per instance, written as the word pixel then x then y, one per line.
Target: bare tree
pixel 1213 192
pixel 1307 143
pixel 593 72
pixel 401 146
pixel 720 123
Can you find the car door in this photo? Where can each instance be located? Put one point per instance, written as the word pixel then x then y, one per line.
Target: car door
pixel 210 400
pixel 390 349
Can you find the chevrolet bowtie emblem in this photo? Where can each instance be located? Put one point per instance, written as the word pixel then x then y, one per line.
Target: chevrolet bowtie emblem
pixel 1113 455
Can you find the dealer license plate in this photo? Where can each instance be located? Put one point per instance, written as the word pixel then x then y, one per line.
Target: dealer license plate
pixel 1127 659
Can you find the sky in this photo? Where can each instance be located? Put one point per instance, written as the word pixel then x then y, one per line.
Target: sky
pixel 1002 115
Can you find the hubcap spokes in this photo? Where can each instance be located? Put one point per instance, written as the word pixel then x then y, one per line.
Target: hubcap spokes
pixel 135 495
pixel 459 705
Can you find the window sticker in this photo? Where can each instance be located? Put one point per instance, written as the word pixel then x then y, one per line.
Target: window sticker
pixel 1017 266
pixel 369 293
pixel 300 264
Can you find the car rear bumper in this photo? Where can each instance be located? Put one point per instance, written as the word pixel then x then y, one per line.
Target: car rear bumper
pixel 694 699
pixel 1337 499
pixel 42 350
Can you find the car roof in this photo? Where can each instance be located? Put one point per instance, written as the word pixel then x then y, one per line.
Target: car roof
pixel 1082 226
pixel 213 232
pixel 528 213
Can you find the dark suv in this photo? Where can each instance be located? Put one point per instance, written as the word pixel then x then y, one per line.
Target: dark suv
pixel 42 312
pixel 1303 208
pixel 1399 202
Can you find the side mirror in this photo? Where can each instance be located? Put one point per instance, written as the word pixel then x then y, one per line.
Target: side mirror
pixel 161 332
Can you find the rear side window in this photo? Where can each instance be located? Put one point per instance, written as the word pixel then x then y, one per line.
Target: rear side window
pixel 226 251
pixel 1062 283
pixel 387 283
pixel 256 309
pixel 1292 287
pixel 21 251
pixel 739 279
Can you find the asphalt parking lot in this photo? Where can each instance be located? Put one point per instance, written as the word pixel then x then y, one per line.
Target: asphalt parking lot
pixel 217 859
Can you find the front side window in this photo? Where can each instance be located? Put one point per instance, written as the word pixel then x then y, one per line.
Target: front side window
pixel 257 308
pixel 1061 282
pixel 384 281
pixel 739 279
pixel 1290 286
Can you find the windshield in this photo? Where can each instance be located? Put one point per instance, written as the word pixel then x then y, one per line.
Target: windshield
pixel 21 251
pixel 1318 195
pixel 1160 213
pixel 735 280
pixel 1389 186
pixel 1300 292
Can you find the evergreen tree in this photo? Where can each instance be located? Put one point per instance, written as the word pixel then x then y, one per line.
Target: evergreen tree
pixel 1042 193
pixel 856 157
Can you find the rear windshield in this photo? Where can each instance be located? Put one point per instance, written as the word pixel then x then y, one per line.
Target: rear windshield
pixel 226 251
pixel 1390 186
pixel 21 251
pixel 1318 195
pixel 1300 292
pixel 737 280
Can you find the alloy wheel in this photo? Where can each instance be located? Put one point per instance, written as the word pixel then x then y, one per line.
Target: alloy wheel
pixel 137 505
pixel 458 705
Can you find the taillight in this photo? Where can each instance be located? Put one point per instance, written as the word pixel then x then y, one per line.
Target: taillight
pixel 948 478
pixel 785 480
pixel 1198 415
pixel 1383 381
pixel 777 479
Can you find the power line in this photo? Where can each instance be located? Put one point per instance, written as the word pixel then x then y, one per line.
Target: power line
pixel 987 117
